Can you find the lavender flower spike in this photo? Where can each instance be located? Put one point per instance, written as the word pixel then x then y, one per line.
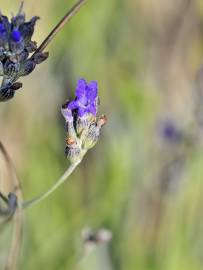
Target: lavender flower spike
pixel 82 126
pixel 15 47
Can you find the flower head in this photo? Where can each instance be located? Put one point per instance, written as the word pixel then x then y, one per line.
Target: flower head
pixel 83 127
pixel 15 47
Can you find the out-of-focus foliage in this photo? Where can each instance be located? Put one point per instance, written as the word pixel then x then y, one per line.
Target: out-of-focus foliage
pixel 137 182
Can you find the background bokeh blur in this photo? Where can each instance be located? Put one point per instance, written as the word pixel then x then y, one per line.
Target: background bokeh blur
pixel 144 179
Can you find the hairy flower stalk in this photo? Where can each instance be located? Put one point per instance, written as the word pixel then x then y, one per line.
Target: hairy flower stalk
pixel 82 128
pixel 60 181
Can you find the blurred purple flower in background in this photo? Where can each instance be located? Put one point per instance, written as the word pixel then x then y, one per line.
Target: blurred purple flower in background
pixel 170 132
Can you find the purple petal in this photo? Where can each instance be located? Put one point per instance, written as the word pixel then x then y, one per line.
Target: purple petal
pixel 92 91
pixel 73 105
pixel 3 32
pixel 92 109
pixel 82 111
pixel 67 114
pixel 82 101
pixel 2 28
pixel 81 88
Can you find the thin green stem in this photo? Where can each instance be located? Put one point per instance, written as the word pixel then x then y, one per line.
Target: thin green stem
pixel 60 181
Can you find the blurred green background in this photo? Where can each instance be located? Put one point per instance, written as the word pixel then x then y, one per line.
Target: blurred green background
pixel 145 189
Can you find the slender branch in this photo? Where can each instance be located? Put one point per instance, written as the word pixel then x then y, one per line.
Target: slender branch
pixel 14 183
pixel 60 25
pixel 60 181
pixel 3 198
pixel 18 217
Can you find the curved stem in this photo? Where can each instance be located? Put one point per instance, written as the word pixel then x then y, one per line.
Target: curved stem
pixel 60 181
pixel 17 234
pixel 60 25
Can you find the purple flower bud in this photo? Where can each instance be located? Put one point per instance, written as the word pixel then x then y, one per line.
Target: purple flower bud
pixel 27 29
pixel 5 22
pixel 2 29
pixel 16 36
pixel 6 92
pixel 3 34
pixel 27 67
pixel 11 69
